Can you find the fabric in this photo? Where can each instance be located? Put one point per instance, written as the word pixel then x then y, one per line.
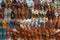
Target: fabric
pixel 40 11
pixel 36 12
pixel 46 6
pixel 32 10
pixel 45 20
pixel 1 31
pixel 14 1
pixel 5 1
pixel 19 39
pixel 9 38
pixel 12 15
pixel 11 24
pixel 38 21
pixel 32 23
pixel 21 1
pixel 0 3
pixel 39 26
pixel 58 30
pixel 4 24
pixel 56 14
pixel 46 0
pixel 30 3
pixel 49 14
pixel 30 13
pixel 19 4
pixel 17 0
pixel 49 0
pixel 4 33
pixel 15 30
pixel 5 14
pixel 42 1
pixel 0 23
pixel 11 0
pixel 9 11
